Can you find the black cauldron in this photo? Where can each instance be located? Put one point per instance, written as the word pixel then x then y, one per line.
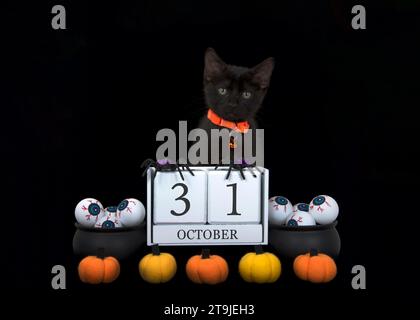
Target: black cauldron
pixel 292 241
pixel 119 243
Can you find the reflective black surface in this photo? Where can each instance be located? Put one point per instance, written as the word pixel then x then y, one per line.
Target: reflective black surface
pixel 293 241
pixel 119 243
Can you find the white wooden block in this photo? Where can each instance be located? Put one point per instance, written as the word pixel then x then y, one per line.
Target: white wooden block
pixel 188 233
pixel 180 201
pixel 234 200
pixel 207 234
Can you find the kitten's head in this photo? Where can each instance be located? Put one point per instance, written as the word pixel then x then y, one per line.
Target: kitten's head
pixel 235 93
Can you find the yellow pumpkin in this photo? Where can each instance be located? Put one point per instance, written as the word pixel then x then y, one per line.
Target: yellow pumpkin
pixel 157 267
pixel 260 266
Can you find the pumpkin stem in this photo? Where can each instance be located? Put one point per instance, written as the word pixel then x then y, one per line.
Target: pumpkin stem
pixel 155 250
pixel 100 253
pixel 258 249
pixel 205 253
pixel 313 252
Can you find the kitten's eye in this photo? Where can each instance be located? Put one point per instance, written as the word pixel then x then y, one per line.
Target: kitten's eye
pixel 222 91
pixel 246 94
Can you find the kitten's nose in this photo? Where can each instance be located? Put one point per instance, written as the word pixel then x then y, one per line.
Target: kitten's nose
pixel 232 105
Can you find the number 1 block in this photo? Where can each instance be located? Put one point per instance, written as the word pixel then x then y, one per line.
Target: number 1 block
pixel 234 200
pixel 180 201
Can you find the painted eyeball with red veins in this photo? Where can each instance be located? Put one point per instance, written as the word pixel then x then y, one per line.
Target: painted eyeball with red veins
pixel 279 208
pixel 88 212
pixel 111 211
pixel 131 212
pixel 324 209
pixel 301 207
pixel 300 219
pixel 108 222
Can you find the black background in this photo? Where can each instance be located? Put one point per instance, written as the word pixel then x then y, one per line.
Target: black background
pixel 86 104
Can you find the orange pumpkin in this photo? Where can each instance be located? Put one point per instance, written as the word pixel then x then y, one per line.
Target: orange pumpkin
pixel 315 267
pixel 206 268
pixel 95 270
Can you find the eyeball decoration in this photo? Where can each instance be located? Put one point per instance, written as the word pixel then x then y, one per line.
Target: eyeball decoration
pixel 300 207
pixel 324 209
pixel 279 208
pixel 131 212
pixel 300 216
pixel 111 211
pixel 88 212
pixel 91 214
pixel 110 220
pixel 300 219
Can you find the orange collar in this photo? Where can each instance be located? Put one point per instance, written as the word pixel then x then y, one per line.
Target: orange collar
pixel 237 126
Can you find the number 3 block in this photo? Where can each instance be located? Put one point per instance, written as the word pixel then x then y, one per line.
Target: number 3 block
pixel 234 200
pixel 180 201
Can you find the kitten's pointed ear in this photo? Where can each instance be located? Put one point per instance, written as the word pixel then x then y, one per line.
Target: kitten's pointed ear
pixel 261 73
pixel 213 65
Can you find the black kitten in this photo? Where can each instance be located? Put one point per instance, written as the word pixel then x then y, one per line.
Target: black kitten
pixel 234 93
